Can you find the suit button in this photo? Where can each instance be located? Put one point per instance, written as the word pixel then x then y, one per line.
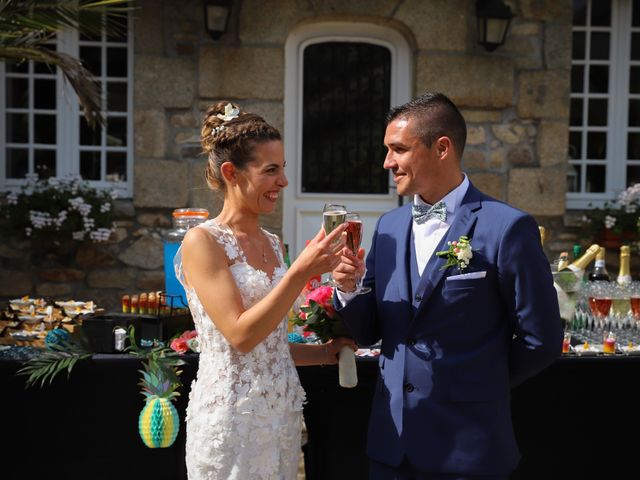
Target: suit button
pixel 411 342
pixel 418 298
pixel 408 387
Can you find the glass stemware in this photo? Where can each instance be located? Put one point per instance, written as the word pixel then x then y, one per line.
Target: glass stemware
pixel 333 215
pixel 354 239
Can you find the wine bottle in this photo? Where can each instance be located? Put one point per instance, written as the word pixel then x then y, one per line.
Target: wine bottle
pixel 543 235
pixel 563 261
pixel 577 251
pixel 599 272
pixel 624 275
pixel 579 265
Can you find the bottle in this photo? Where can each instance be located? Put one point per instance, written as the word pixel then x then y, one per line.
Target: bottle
pixel 577 251
pixel 543 235
pixel 599 272
pixel 579 265
pixel 624 275
pixel 563 261
pixel 183 220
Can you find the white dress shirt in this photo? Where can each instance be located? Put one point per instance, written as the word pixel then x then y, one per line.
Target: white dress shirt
pixel 427 236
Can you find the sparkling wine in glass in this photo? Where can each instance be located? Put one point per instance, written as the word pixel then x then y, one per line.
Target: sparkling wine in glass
pixel 333 215
pixel 354 238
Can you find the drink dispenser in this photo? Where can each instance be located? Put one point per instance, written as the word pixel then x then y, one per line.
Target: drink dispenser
pixel 183 220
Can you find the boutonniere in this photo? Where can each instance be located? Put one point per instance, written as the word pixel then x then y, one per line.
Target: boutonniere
pixel 458 254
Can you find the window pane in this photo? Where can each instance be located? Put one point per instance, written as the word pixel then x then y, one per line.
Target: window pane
pixel 116 62
pixel 17 67
pixel 575 145
pixel 573 178
pixel 579 12
pixel 635 46
pixel 92 59
pixel 44 129
pixel 633 146
pixel 578 46
pixel 88 135
pixel 117 97
pixel 45 162
pixel 636 13
pixel 601 13
pixel 44 94
pixel 90 165
pixel 84 35
pixel 634 113
pixel 633 174
pixel 577 79
pixel 17 91
pixel 599 78
pixel 598 111
pixel 634 80
pixel 117 131
pixel 17 128
pixel 116 166
pixel 596 178
pixel 596 145
pixel 119 27
pixel 39 67
pixel 345 94
pixel 17 162
pixel 576 112
pixel 599 45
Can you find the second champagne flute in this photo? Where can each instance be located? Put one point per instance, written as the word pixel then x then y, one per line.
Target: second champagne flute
pixel 354 239
pixel 333 215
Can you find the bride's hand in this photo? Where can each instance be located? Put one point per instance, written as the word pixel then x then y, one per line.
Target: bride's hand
pixel 322 254
pixel 333 347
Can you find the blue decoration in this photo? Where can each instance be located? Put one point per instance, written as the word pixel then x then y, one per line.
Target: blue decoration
pixel 296 338
pixel 56 337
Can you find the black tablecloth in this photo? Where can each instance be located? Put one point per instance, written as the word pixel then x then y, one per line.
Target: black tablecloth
pixel 570 422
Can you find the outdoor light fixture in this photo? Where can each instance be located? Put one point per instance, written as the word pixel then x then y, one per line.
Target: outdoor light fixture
pixel 494 18
pixel 216 17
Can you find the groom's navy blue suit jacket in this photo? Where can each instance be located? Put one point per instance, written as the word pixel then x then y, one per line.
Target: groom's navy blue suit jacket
pixel 453 349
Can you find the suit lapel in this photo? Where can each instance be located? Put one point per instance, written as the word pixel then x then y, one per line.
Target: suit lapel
pixel 403 255
pixel 462 224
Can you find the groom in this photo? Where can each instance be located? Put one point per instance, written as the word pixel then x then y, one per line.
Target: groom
pixel 455 340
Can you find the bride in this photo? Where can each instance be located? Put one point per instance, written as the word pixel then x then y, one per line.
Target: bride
pixel 244 415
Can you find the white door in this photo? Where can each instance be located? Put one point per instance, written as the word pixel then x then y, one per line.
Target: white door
pixel 341 78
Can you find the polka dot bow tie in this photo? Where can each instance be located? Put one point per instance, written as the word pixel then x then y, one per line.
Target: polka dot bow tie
pixel 422 213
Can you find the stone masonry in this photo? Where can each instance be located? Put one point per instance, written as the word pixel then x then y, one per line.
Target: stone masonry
pixel 515 100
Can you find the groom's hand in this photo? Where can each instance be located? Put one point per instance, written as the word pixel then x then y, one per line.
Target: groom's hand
pixel 350 268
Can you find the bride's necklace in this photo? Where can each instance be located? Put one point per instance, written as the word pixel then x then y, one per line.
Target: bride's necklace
pixel 258 248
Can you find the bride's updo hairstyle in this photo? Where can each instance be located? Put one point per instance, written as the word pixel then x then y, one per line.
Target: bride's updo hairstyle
pixel 230 135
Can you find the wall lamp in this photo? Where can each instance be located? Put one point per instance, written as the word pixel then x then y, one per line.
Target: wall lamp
pixel 494 18
pixel 216 17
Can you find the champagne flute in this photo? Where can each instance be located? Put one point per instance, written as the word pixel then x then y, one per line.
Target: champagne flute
pixel 354 238
pixel 333 215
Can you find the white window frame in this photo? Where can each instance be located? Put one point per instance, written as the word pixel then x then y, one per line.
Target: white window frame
pixel 617 108
pixel 68 114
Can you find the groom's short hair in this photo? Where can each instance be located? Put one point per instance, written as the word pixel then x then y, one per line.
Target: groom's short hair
pixel 436 116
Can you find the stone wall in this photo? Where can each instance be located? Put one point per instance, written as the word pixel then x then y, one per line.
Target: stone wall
pixel 515 100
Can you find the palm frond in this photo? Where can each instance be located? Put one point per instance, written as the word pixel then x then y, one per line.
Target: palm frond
pixel 48 365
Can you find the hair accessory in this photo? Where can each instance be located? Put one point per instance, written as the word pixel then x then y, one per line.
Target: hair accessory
pixel 217 129
pixel 229 113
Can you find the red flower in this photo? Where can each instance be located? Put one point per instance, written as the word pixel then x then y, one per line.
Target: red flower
pixel 189 334
pixel 179 345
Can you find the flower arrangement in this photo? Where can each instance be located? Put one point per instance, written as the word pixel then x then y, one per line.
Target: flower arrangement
pixel 318 316
pixel 186 342
pixel 620 216
pixel 58 209
pixel 458 254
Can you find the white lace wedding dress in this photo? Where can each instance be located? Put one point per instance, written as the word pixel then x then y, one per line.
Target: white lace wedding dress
pixel 244 416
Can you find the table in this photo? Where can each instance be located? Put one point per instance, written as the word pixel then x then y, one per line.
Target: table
pixel 569 422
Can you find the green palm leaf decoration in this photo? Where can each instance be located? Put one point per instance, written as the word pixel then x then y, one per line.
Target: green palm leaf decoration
pixel 48 365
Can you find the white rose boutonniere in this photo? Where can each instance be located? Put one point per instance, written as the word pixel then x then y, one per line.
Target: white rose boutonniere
pixel 458 254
